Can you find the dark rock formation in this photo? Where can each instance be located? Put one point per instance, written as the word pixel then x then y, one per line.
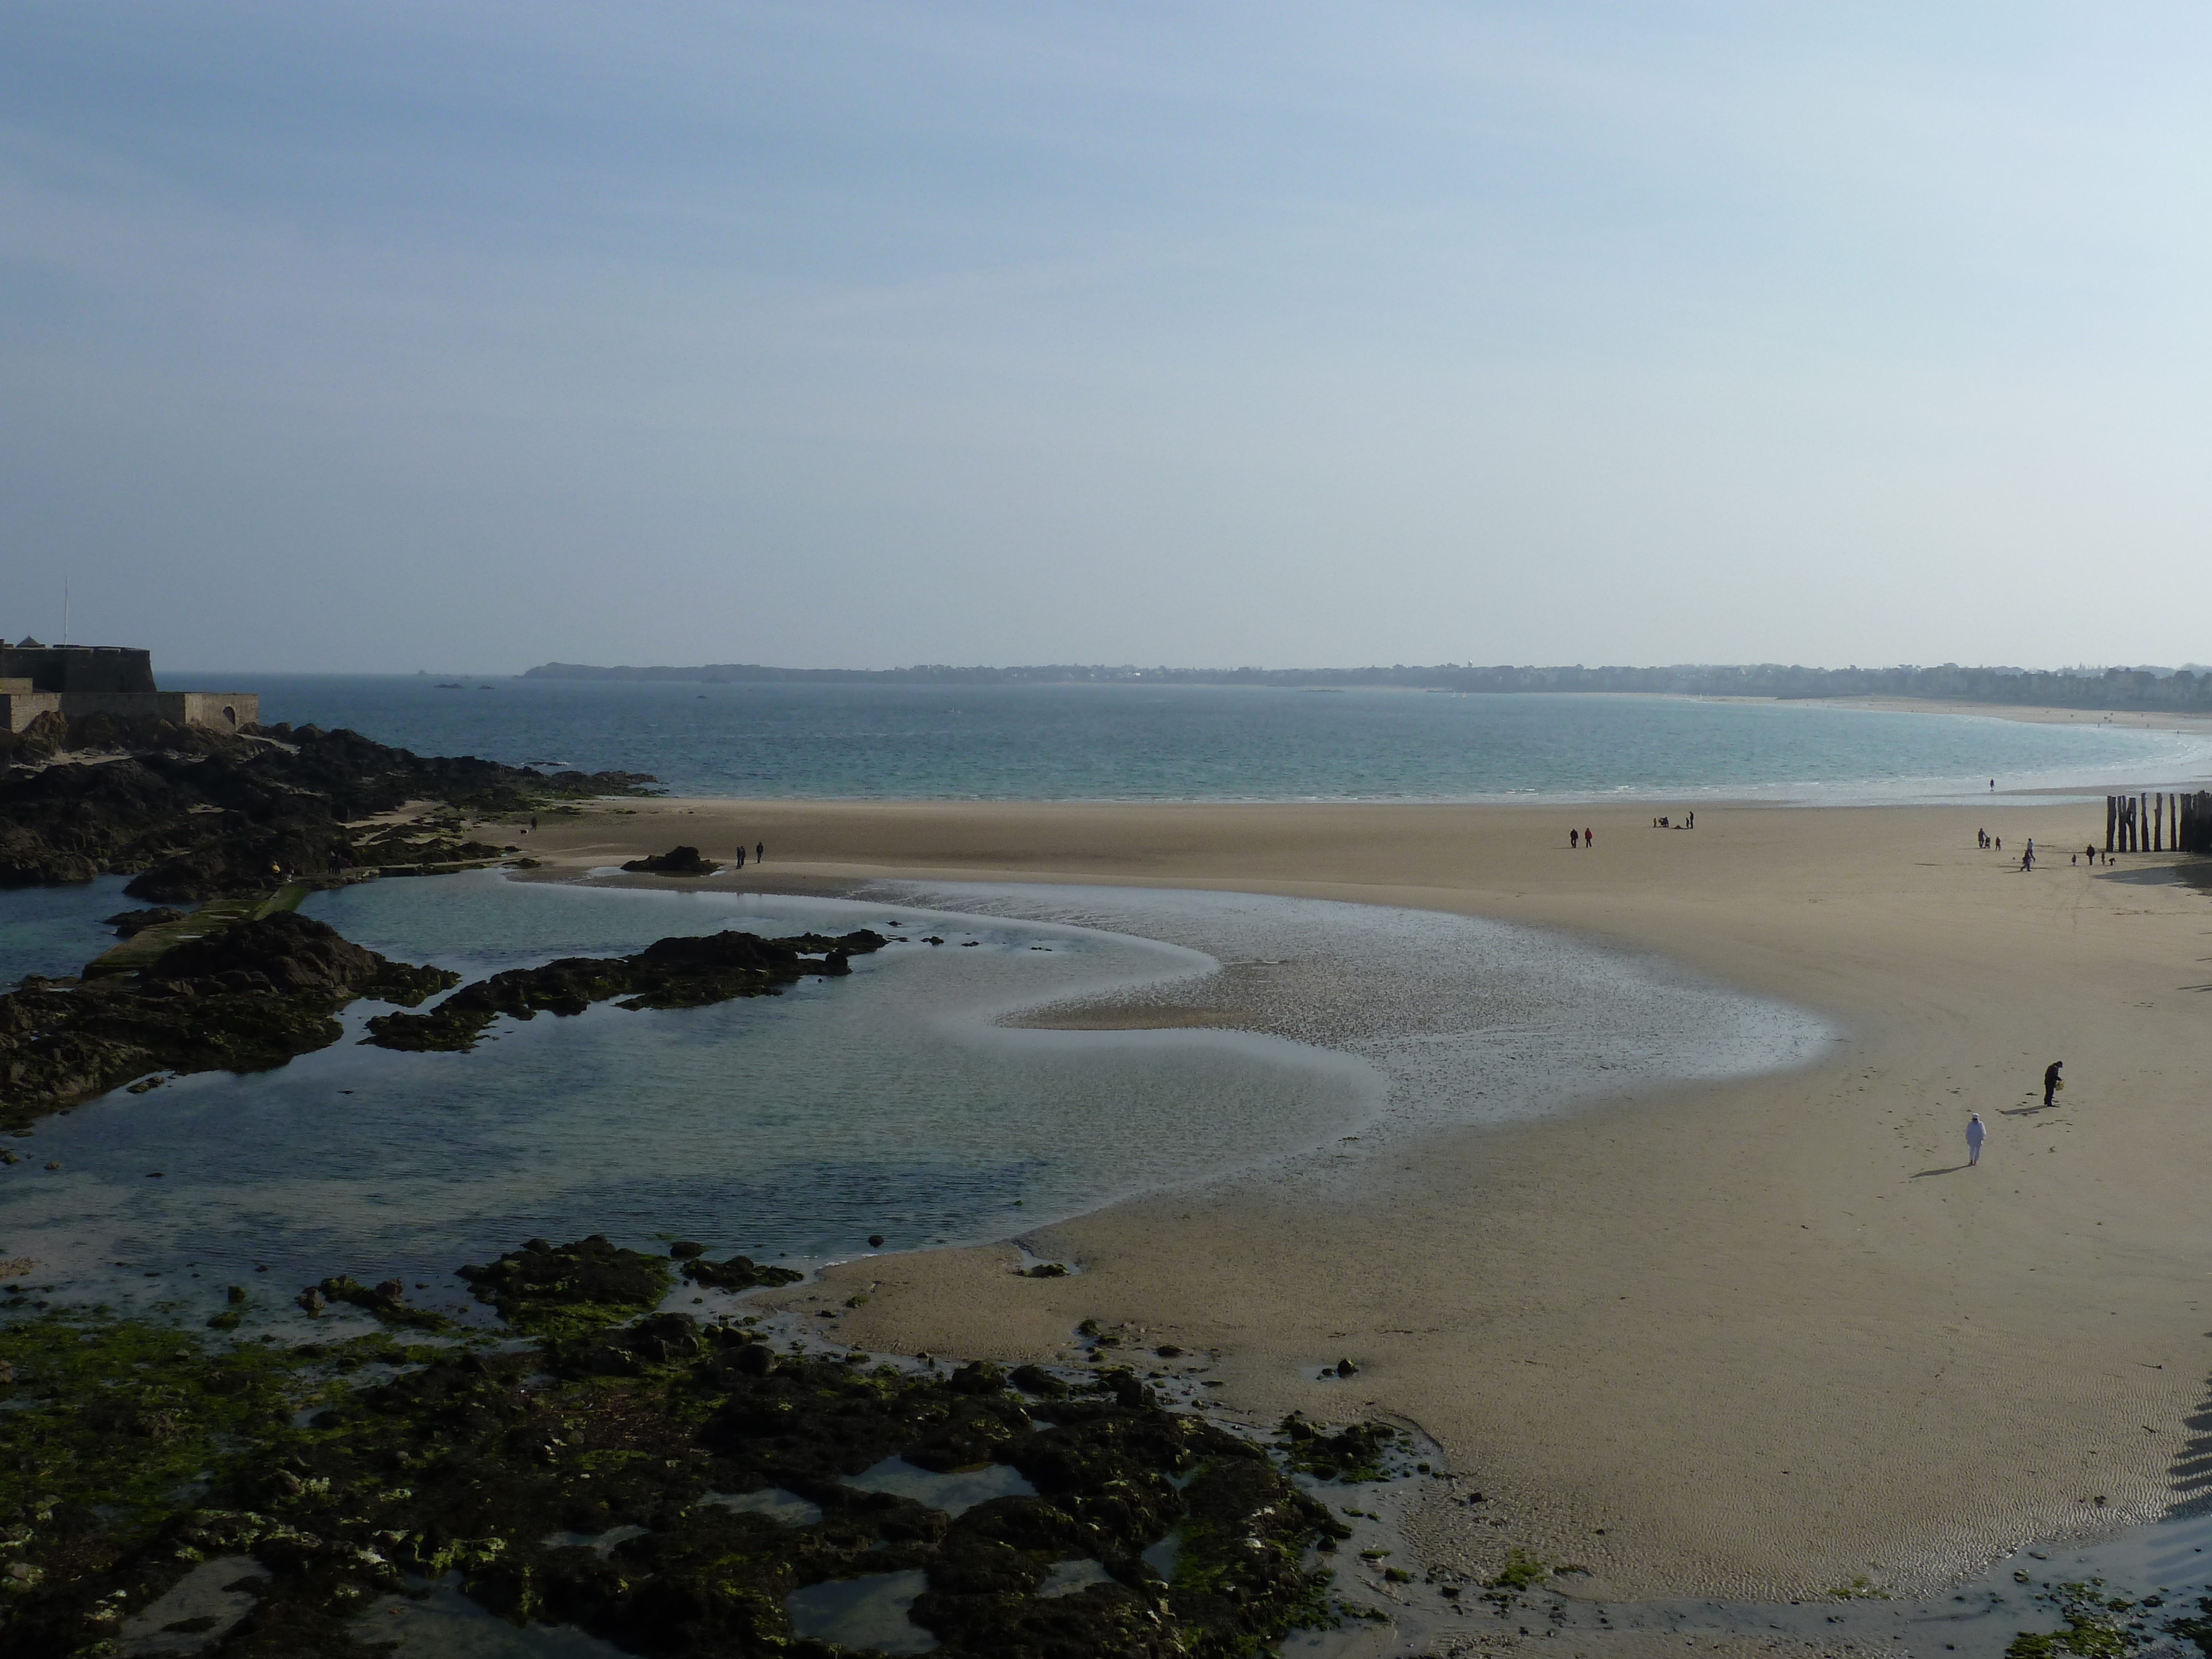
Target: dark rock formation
pixel 246 999
pixel 675 861
pixel 740 1273
pixel 690 971
pixel 195 814
pixel 1356 1453
pixel 591 1283
pixel 483 1463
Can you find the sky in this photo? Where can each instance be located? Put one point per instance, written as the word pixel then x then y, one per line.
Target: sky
pixel 380 337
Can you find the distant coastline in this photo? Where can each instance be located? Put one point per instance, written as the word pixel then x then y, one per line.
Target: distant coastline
pixel 2181 691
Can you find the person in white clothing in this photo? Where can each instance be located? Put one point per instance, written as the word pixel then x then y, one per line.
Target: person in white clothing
pixel 1977 1132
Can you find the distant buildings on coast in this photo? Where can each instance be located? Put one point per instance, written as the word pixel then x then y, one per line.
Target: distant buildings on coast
pixel 75 680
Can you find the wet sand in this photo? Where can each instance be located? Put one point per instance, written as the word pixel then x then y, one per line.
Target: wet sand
pixel 1751 1339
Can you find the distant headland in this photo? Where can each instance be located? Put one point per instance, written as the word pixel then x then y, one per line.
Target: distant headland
pixel 2184 689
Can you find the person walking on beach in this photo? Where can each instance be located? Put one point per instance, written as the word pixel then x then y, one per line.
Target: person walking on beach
pixel 741 855
pixel 1574 839
pixel 1589 838
pixel 1976 1133
pixel 2052 1082
pixel 760 851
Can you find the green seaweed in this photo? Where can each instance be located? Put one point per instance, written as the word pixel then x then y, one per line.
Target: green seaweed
pixel 341 1470
pixel 1352 1454
pixel 1521 1571
pixel 569 1289
pixel 2093 1626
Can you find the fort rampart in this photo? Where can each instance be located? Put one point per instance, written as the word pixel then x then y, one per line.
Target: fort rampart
pixel 74 680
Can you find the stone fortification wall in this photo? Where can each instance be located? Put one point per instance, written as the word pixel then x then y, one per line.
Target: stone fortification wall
pixel 86 668
pixel 222 711
pixel 19 708
pixel 225 711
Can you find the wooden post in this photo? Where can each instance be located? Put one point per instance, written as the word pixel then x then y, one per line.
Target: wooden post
pixel 2158 822
pixel 2111 819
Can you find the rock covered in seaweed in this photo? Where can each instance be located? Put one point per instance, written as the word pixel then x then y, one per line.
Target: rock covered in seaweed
pixel 246 999
pixel 550 1288
pixel 740 1273
pixel 687 971
pixel 491 1464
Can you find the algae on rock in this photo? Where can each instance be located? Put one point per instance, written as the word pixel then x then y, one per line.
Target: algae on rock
pixel 488 1461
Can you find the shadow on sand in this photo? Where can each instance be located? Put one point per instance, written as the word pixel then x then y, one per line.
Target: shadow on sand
pixel 2191 1474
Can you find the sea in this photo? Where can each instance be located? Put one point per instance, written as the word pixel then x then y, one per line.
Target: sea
pixel 1125 742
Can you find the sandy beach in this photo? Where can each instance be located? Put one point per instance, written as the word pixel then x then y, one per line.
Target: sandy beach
pixel 1756 1338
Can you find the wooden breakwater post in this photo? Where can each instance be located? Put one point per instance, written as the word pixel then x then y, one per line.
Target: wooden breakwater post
pixel 2192 830
pixel 2111 819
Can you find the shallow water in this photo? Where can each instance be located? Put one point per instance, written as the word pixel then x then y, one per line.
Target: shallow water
pixel 884 1103
pixel 863 1613
pixel 797 1124
pixel 1216 743
pixel 57 930
pixel 1468 1021
pixel 444 1623
pixel 956 1492
pixel 787 1509
pixel 1067 1578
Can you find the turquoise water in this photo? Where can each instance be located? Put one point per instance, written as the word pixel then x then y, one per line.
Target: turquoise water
pixel 1215 743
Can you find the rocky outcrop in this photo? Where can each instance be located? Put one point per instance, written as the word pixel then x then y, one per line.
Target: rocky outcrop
pixel 740 1273
pixel 579 1480
pixel 675 861
pixel 193 814
pixel 688 971
pixel 550 1288
pixel 246 999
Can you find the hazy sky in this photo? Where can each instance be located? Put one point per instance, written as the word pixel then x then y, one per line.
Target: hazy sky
pixel 390 335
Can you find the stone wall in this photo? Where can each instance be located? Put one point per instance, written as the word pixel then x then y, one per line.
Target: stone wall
pixel 91 668
pixel 222 711
pixel 225 711
pixel 19 708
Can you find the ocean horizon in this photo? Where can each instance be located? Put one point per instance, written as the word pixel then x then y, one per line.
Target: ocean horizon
pixel 1226 743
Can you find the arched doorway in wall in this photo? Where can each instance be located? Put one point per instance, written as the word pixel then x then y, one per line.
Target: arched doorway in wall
pixel 230 714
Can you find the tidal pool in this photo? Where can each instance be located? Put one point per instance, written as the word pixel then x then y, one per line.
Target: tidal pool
pixel 793 1125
